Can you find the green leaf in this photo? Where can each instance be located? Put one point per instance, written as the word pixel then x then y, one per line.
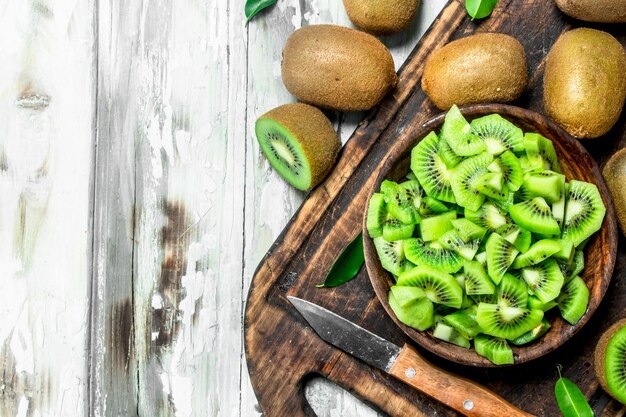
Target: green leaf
pixel 571 400
pixel 255 6
pixel 479 9
pixel 347 265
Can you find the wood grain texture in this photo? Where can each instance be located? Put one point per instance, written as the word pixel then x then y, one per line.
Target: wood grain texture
pixel 47 86
pixel 332 214
pixel 600 253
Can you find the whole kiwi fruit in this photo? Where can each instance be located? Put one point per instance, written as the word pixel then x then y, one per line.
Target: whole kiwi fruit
pixel 381 17
pixel 614 173
pixel 299 142
pixel 585 82
pixel 487 67
pixel 611 351
pixel 602 11
pixel 337 68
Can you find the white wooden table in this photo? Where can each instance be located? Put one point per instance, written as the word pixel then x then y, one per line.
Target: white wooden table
pixel 135 203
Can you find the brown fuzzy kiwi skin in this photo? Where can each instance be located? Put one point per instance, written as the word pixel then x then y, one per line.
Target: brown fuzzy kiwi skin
pixel 315 134
pixel 381 18
pixel 614 173
pixel 585 82
pixel 598 357
pixel 482 68
pixel 600 11
pixel 337 68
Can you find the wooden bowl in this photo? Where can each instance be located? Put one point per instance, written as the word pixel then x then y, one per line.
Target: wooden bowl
pixel 599 257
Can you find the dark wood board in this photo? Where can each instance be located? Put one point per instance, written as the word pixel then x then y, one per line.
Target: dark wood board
pixel 282 351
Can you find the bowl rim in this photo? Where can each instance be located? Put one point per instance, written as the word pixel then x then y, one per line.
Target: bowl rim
pixel 523 353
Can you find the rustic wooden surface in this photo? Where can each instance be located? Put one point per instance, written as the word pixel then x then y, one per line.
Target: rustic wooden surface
pixel 601 251
pixel 136 204
pixel 282 351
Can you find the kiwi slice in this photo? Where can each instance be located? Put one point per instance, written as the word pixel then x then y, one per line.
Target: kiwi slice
pixel 399 202
pixel 476 280
pixel 492 185
pixel 544 279
pixel 438 287
pixel 406 295
pixel 300 143
pixel 481 258
pixel 449 334
pixel 484 298
pixel 540 150
pixel 391 254
pixel 447 155
pixel 535 303
pixel 488 216
pixel 418 314
pixel 393 229
pixel 566 251
pixel 433 254
pixel 430 170
pixel 376 215
pixel 499 134
pixel 495 349
pixel 413 192
pixel 520 238
pixel 584 212
pixel 512 292
pixel 509 166
pixel 535 215
pixel 506 322
pixel 464 180
pixel 459 134
pixel 431 228
pixel 452 241
pixel 538 252
pixel 468 230
pixel 573 300
pixel 464 322
pixel 610 361
pixel 531 165
pixel 546 184
pixel 431 206
pixel 558 207
pixel 534 334
pixel 500 255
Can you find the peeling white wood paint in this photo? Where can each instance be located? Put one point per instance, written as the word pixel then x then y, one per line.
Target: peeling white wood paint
pixel 46 117
pixel 179 86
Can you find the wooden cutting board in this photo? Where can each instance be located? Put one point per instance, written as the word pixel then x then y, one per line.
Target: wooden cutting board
pixel 282 351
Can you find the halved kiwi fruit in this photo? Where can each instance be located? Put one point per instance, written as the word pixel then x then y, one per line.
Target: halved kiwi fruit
pixel 438 287
pixel 299 142
pixel 610 361
pixel 584 211
pixel 430 170
pixel 498 134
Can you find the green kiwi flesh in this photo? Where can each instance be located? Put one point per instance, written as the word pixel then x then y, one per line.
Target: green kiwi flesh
pixel 610 360
pixel 481 243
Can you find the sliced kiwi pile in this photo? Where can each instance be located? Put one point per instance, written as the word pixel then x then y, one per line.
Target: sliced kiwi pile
pixel 485 236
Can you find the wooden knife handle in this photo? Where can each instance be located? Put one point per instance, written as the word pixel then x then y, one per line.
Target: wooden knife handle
pixel 461 394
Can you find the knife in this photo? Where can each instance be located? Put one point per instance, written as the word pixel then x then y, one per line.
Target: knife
pixel 405 364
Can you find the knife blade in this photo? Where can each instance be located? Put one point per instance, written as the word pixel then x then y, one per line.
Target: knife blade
pixel 405 364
